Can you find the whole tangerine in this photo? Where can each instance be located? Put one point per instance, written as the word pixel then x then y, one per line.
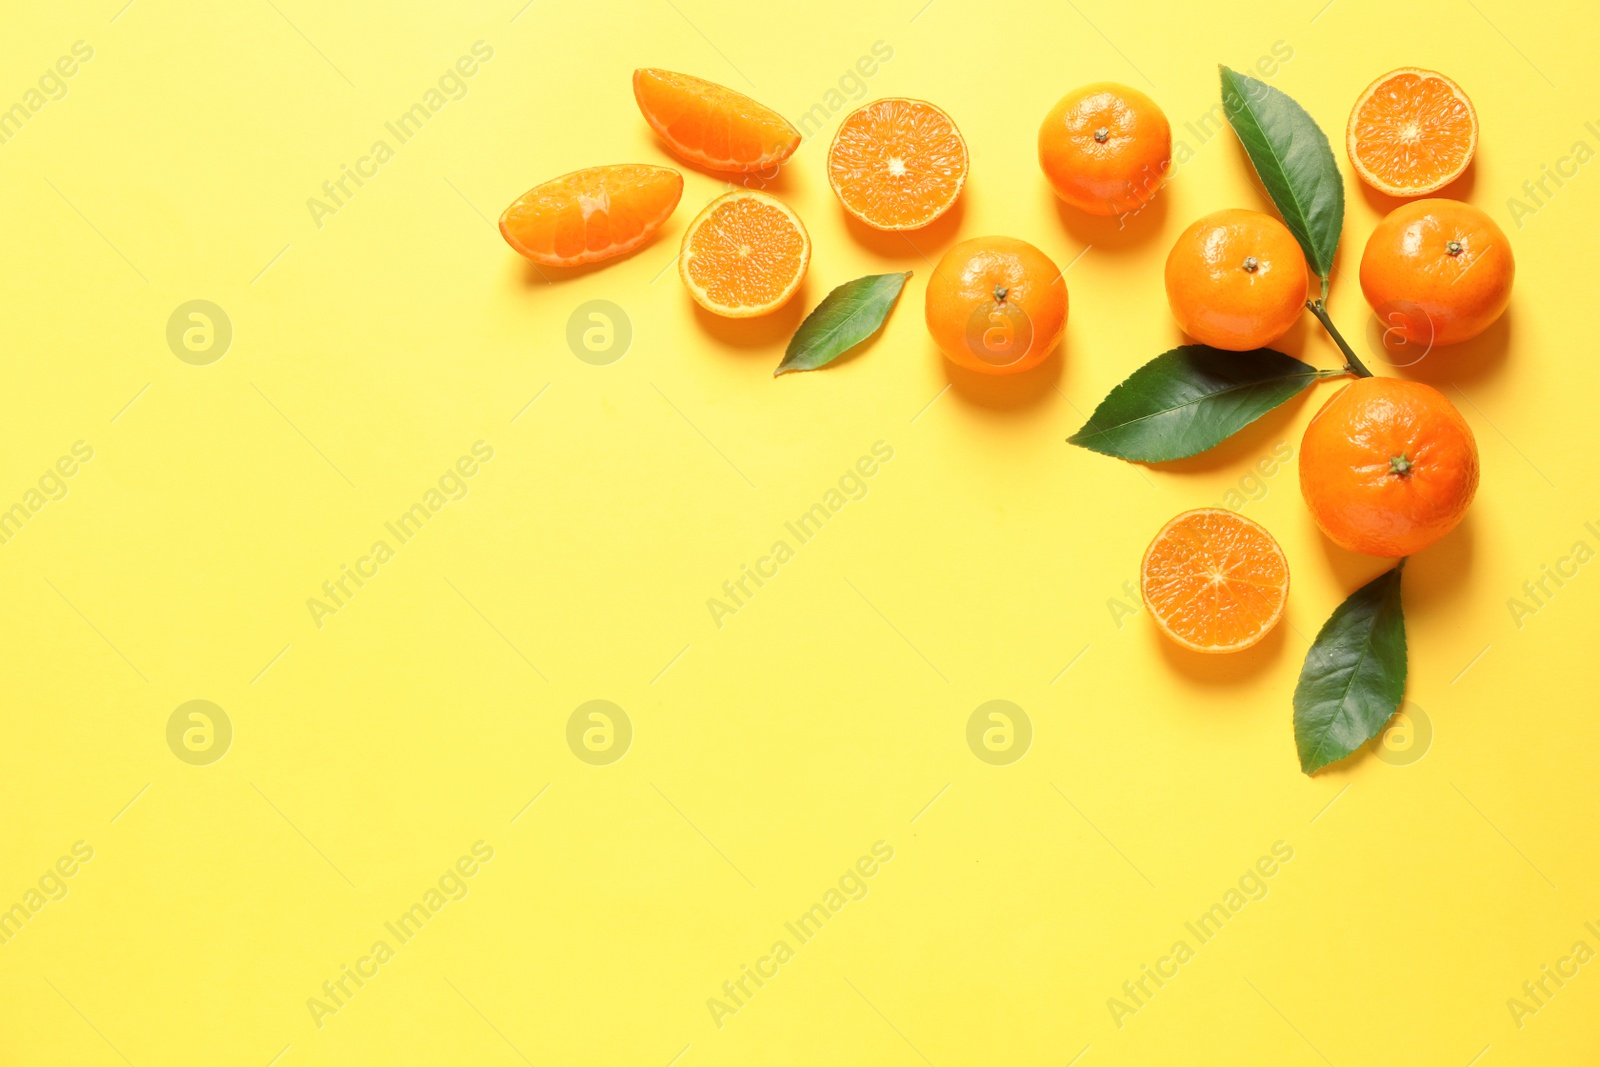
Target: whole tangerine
pixel 1388 467
pixel 1438 271
pixel 1105 148
pixel 996 305
pixel 1236 279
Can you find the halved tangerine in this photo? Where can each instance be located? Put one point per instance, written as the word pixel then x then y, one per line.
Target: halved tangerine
pixel 1412 132
pixel 711 124
pixel 897 164
pixel 744 255
pixel 591 215
pixel 1214 581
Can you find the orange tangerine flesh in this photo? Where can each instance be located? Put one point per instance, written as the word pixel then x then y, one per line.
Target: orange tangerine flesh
pixel 1214 581
pixel 897 164
pixel 591 215
pixel 711 124
pixel 744 255
pixel 1412 132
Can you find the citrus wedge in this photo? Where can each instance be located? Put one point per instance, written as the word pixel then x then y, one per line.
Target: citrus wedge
pixel 1214 581
pixel 591 215
pixel 744 255
pixel 897 164
pixel 713 125
pixel 1412 132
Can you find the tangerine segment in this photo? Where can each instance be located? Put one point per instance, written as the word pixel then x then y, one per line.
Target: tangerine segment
pixel 744 255
pixel 1214 581
pixel 591 215
pixel 711 124
pixel 897 164
pixel 1412 131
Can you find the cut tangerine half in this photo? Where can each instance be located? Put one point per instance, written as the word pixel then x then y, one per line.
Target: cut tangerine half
pixel 897 164
pixel 1412 132
pixel 711 124
pixel 591 215
pixel 744 255
pixel 1214 581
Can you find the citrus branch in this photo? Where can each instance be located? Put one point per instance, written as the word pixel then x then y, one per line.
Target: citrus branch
pixel 1354 366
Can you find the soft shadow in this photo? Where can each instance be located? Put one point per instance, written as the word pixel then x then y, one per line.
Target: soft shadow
pixel 1226 668
pixel 1005 392
pixel 1460 189
pixel 1114 231
pixel 757 333
pixel 1469 361
pixel 918 247
pixel 1352 569
pixel 1435 582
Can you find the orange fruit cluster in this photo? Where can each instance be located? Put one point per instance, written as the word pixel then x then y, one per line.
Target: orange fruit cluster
pixel 1387 467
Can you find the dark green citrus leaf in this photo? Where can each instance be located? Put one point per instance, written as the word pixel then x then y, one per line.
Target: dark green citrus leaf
pixel 1189 399
pixel 847 316
pixel 1295 163
pixel 1354 676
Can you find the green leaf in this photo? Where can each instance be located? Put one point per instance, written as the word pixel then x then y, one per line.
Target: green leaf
pixel 847 316
pixel 1190 398
pixel 1295 163
pixel 1354 676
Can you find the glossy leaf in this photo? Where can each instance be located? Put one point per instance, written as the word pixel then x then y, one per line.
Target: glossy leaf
pixel 847 316
pixel 1294 161
pixel 1354 675
pixel 1191 398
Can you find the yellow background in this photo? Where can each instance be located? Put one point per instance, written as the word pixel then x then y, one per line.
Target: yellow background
pixel 830 712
